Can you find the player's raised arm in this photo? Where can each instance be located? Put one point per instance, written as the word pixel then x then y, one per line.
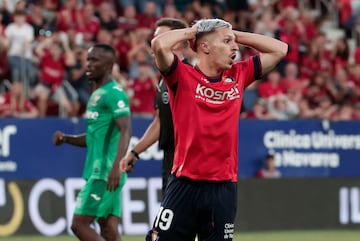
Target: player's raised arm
pixel 271 50
pixel 162 45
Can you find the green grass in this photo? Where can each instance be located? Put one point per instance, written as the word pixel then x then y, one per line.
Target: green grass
pixel 325 235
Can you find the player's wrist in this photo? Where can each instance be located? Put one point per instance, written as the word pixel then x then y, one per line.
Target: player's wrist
pixel 135 153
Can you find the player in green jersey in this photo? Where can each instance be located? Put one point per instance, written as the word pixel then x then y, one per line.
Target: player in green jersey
pixel 108 132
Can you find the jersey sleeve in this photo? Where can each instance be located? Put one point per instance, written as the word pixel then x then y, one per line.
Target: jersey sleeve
pixel 118 102
pixel 171 75
pixel 250 70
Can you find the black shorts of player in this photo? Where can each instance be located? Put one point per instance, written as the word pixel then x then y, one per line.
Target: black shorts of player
pixel 191 208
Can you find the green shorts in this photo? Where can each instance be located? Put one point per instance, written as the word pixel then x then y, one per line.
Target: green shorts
pixel 95 201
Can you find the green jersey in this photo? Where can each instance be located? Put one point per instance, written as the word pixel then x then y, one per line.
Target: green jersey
pixel 105 105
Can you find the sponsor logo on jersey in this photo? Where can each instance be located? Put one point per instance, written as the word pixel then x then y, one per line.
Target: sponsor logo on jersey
pixel 165 97
pixel 229 80
pixel 95 100
pixel 209 94
pixel 91 115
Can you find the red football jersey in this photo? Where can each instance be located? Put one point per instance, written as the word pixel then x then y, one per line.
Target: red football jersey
pixel 205 116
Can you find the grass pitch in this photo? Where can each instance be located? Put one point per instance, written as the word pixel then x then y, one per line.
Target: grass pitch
pixel 318 235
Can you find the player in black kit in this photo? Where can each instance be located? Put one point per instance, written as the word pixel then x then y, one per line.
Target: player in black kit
pixel 161 128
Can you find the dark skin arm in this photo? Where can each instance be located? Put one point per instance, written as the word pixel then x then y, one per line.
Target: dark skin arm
pixel 60 138
pixel 124 125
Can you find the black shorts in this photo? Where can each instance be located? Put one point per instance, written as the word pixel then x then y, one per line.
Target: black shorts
pixel 191 208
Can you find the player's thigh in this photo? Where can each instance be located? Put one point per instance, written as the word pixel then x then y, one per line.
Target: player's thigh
pixel 177 216
pixel 111 203
pixel 218 223
pixel 90 198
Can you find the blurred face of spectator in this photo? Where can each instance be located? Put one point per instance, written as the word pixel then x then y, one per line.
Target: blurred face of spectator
pixel 291 70
pixel 150 9
pixel 319 80
pixel 144 72
pixel 70 4
pixel 130 11
pixel 270 163
pixel 20 5
pixel 19 19
pixel 280 104
pixel 142 56
pixel 189 16
pixel 104 36
pixel 274 77
pixel 170 11
pixel 89 11
pixel 106 11
pixel 56 50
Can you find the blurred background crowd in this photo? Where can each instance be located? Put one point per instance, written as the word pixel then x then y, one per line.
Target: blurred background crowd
pixel 43 48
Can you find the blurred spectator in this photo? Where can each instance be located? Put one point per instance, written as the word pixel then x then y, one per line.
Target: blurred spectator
pixel 282 108
pixel 340 53
pixel 77 76
pixel 143 88
pixel 259 111
pixel 20 35
pixel 90 24
pixel 290 80
pixel 107 16
pixel 345 113
pixel 55 56
pixel 325 108
pixel 317 89
pixel 128 21
pixel 291 31
pixel 141 53
pixel 69 16
pixel 148 17
pixel 14 103
pixel 341 89
pixel 269 169
pixel 271 86
pixel 266 24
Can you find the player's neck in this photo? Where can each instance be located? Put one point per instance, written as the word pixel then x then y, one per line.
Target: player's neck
pixel 208 69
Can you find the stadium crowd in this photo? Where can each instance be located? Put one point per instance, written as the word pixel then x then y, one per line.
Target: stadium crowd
pixel 43 48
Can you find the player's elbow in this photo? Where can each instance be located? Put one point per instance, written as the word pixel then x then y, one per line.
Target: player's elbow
pixel 283 50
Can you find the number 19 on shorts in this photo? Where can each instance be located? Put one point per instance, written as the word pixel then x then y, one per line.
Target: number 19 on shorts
pixel 164 219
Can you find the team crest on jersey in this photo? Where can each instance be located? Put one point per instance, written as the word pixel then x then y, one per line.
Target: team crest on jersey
pixel 165 98
pixel 229 79
pixel 95 100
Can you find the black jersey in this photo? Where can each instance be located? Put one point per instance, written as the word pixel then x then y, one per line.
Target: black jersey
pixel 166 138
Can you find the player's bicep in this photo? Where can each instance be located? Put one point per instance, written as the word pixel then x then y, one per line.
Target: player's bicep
pixel 119 104
pixel 164 60
pixel 268 62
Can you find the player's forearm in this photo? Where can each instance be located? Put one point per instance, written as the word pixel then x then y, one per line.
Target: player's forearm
pixel 76 140
pixel 123 145
pixel 261 43
pixel 150 136
pixel 166 41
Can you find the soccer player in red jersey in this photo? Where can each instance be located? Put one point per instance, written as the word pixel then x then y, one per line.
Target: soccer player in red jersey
pixel 205 100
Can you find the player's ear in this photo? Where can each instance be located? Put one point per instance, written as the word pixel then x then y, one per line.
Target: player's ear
pixel 204 47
